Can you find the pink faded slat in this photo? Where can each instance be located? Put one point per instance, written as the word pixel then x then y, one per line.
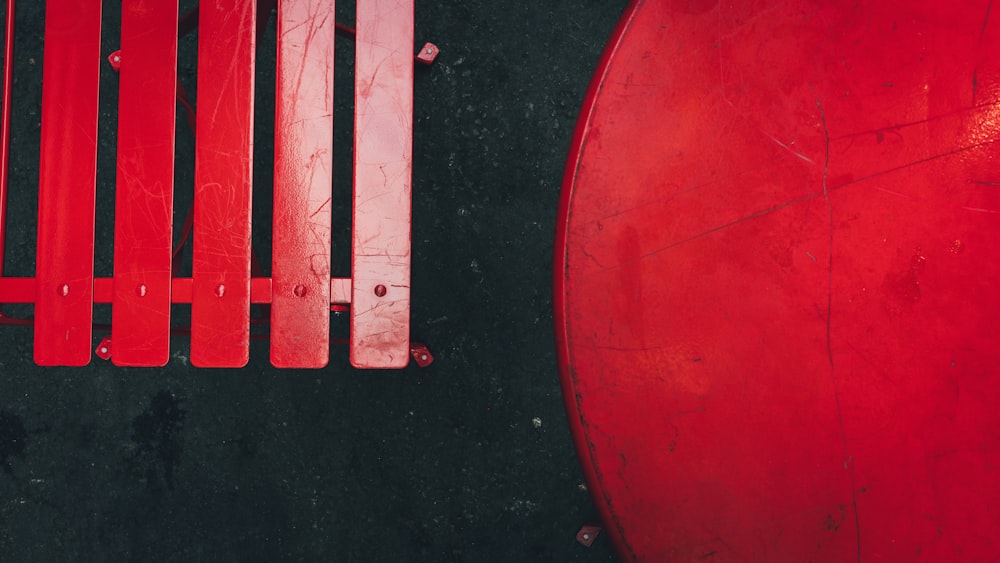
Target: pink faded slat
pixel 144 195
pixel 67 182
pixel 380 309
pixel 303 146
pixel 220 301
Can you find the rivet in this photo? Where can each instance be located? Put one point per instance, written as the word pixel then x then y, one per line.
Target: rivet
pixel 380 290
pixel 299 291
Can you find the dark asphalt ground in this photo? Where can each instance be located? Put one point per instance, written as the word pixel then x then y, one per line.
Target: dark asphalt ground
pixel 470 459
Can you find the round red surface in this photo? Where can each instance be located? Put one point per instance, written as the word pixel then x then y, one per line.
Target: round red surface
pixel 776 281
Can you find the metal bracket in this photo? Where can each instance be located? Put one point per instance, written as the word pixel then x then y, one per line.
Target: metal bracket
pixel 115 58
pixel 421 354
pixel 588 534
pixel 103 349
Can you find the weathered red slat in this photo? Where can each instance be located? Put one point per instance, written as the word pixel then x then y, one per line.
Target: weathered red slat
pixel 220 307
pixel 380 313
pixel 67 182
pixel 144 194
pixel 303 175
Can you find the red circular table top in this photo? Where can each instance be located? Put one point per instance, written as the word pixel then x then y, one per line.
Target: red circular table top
pixel 776 281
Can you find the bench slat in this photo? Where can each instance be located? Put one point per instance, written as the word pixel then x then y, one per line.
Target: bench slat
pixel 144 194
pixel 383 132
pixel 67 182
pixel 220 301
pixel 303 176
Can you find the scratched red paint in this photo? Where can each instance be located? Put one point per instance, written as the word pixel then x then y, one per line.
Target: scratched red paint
pixel 383 131
pixel 145 184
pixel 221 288
pixel 775 281
pixel 300 315
pixel 220 301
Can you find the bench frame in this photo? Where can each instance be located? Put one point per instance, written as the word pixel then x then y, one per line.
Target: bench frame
pixel 298 297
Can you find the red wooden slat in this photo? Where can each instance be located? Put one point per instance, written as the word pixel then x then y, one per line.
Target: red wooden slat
pixel 380 313
pixel 67 181
pixel 144 194
pixel 303 146
pixel 220 307
pixel 5 117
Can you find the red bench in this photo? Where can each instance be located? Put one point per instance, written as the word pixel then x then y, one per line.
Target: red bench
pixel 300 291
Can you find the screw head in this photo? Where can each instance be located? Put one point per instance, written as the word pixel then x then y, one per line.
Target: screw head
pixel 380 290
pixel 220 290
pixel 140 290
pixel 64 289
pixel 299 290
